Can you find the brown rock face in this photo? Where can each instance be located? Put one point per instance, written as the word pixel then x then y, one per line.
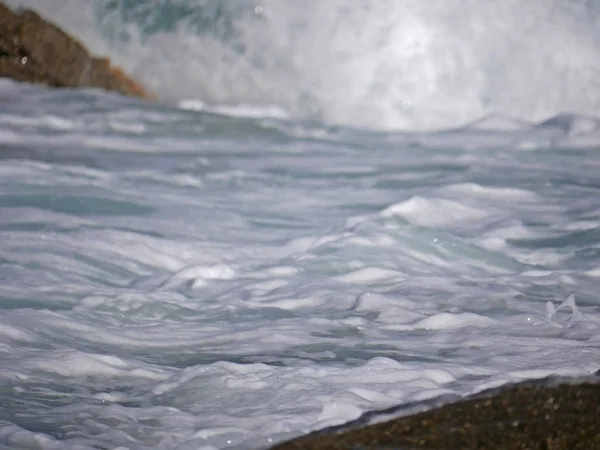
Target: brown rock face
pixel 36 51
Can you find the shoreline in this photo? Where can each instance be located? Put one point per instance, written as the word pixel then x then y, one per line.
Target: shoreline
pixel 547 414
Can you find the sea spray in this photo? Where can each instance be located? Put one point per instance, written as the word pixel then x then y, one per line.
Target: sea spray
pixel 388 64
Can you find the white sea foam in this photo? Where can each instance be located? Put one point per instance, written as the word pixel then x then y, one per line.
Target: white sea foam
pixel 237 110
pixel 434 212
pixel 378 64
pixel 203 281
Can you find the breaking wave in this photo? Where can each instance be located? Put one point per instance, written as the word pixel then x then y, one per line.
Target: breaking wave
pixel 384 64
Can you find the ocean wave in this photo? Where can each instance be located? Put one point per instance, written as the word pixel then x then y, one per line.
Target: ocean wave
pixel 394 65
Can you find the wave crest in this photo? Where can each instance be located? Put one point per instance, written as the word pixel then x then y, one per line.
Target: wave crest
pixel 386 64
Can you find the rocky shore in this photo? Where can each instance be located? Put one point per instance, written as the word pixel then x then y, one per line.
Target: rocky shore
pixel 34 50
pixel 542 415
pixel 536 415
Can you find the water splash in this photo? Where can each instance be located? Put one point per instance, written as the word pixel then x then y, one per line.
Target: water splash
pixel 388 64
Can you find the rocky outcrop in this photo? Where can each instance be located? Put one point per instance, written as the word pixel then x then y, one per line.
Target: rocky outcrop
pixel 36 51
pixel 532 415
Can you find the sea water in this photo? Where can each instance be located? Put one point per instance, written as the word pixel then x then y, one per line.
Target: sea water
pixel 336 208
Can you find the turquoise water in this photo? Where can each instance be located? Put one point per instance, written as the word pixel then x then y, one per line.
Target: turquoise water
pixel 238 265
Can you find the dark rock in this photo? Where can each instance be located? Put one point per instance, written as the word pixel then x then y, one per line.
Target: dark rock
pixel 34 50
pixel 524 416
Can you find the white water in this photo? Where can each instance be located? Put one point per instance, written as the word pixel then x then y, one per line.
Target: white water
pixel 215 271
pixel 173 279
pixel 392 64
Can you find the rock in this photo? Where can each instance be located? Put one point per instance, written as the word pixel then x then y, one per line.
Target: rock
pixel 535 416
pixel 34 50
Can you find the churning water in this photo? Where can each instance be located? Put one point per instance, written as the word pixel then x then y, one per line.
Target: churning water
pixel 288 239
